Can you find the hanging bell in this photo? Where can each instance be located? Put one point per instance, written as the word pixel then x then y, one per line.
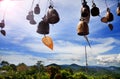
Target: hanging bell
pixel 95 10
pixel 43 27
pixel 37 9
pixel 85 12
pixel 28 17
pixel 2 24
pixel 52 15
pixel 86 19
pixel 118 9
pixel 104 19
pixel 109 15
pixel 82 28
pixel 32 21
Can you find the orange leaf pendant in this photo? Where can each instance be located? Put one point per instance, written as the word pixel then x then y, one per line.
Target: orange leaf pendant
pixel 48 42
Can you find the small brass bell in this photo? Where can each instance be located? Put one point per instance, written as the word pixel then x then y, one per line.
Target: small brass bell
pixel 37 9
pixel 85 11
pixel 118 9
pixel 52 15
pixel 104 19
pixel 109 15
pixel 82 28
pixel 43 27
pixel 95 10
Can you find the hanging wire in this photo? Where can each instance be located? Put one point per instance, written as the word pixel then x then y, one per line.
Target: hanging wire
pixel 86 59
pixel 46 7
pixel 92 1
pixel 32 5
pixel 4 14
pixel 106 3
pixel 39 1
pixel 51 3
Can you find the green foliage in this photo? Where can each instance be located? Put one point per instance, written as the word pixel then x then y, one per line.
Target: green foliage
pixel 39 71
pixel 79 75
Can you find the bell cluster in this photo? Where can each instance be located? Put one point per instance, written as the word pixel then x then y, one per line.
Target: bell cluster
pixel 82 27
pixel 2 25
pixel 30 16
pixel 51 17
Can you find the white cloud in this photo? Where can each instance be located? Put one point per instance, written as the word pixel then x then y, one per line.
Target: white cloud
pixel 109 60
pixel 66 50
pixel 17 59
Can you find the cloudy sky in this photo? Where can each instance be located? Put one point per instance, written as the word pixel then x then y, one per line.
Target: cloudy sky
pixel 23 44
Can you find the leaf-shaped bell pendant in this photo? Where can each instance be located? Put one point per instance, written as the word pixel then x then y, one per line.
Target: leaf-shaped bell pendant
pixel 82 28
pixel 3 32
pixel 52 15
pixel 2 24
pixel 37 9
pixel 95 10
pixel 118 9
pixel 109 15
pixel 43 27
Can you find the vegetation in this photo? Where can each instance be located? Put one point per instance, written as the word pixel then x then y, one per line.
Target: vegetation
pixel 53 71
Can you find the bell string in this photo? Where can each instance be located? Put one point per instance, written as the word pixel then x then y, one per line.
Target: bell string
pixel 39 2
pixel 32 5
pixel 106 3
pixel 92 1
pixel 51 3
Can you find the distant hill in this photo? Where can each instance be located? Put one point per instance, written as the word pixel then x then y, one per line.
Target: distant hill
pixel 91 69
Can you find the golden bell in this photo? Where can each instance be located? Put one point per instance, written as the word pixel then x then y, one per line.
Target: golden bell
pixel 37 9
pixel 104 19
pixel 118 11
pixel 109 15
pixel 82 28
pixel 52 15
pixel 43 27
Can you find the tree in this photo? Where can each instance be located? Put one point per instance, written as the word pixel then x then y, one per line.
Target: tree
pixel 79 76
pixel 22 67
pixel 4 63
pixel 52 70
pixel 13 67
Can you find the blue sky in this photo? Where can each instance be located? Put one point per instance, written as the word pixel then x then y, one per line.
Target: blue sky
pixel 23 44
